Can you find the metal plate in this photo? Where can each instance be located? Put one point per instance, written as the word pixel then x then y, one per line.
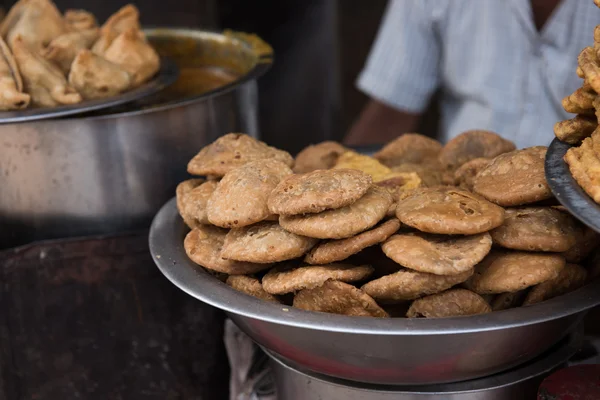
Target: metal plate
pixel 395 351
pixel 168 74
pixel 567 190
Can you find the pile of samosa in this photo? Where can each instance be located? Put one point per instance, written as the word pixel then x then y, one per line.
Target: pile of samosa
pixel 50 59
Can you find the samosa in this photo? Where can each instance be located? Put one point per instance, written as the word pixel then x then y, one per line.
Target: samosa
pixel 11 84
pixel 134 55
pixel 37 22
pixel 94 77
pixel 80 20
pixel 63 49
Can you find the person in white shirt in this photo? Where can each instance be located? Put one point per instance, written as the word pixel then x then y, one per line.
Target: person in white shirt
pixel 500 65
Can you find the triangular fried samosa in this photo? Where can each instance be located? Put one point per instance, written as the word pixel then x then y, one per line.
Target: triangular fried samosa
pixel 128 17
pixel 134 55
pixel 80 20
pixel 11 84
pixel 36 21
pixel 44 82
pixel 63 49
pixel 94 77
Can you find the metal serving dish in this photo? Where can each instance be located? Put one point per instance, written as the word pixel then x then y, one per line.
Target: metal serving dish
pixel 521 383
pixel 111 171
pixel 378 351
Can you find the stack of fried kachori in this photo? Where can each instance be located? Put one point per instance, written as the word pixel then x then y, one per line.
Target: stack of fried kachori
pixel 418 230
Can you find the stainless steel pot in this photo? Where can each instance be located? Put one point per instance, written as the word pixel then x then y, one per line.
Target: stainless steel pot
pixel 521 383
pixel 109 172
pixel 388 351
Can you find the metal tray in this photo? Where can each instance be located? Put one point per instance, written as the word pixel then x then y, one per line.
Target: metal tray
pixel 395 351
pixel 567 190
pixel 168 74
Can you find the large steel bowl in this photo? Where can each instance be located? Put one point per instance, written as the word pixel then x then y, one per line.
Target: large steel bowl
pixel 370 350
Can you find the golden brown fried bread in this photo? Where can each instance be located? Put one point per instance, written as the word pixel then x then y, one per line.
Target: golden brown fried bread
pixel 323 155
pixel 574 130
pixel 448 210
pixel 338 250
pixel 584 164
pixel 464 176
pixel 473 144
pixel 409 285
pixel 265 242
pixel 339 298
pixel 537 229
pixel 290 280
pixel 409 148
pixel 12 96
pixel 318 191
pixel 192 199
pixel 240 198
pixel 251 286
pixel 203 246
pixel 181 193
pixel 95 78
pixel 451 303
pixel 63 49
pixel 515 178
pixel 231 151
pixel 570 278
pixel 44 82
pixel 343 222
pixel 437 254
pixel 502 272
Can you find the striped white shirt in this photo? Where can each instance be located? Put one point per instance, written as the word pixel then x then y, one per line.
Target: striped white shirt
pixel 496 71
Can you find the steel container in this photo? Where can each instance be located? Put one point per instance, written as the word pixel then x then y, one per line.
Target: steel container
pixel 393 351
pixel 111 171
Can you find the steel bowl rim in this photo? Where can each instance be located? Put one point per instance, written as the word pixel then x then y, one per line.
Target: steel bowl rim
pixel 166 247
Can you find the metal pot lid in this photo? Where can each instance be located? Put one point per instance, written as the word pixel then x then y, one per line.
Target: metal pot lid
pixel 167 75
pixel 566 189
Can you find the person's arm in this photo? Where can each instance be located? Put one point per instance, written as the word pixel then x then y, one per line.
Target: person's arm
pixel 401 73
pixel 379 123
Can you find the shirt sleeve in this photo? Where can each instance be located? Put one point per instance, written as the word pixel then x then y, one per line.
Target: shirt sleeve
pixel 402 69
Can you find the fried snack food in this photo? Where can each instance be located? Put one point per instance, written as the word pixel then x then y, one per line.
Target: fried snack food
pixel 570 278
pixel 515 178
pixel 323 155
pixel 12 96
pixel 586 242
pixel 36 22
pixel 240 198
pixel 451 303
pixel 437 254
pixel 63 49
pixel 537 229
pixel 448 210
pixel 430 174
pixel 132 53
pixel 192 198
pixel 588 62
pixel 343 222
pixel 473 144
pixel 574 130
pixel 409 285
pixel 502 272
pixel 464 176
pixel 181 192
pixel 44 82
pixel 580 99
pixel 291 280
pixel 251 286
pixel 504 301
pixel 584 164
pixel 126 18
pixel 338 298
pixel 409 148
pixel 95 78
pixel 79 20
pixel 231 151
pixel 318 191
pixel 361 162
pixel 336 250
pixel 265 242
pixel 203 246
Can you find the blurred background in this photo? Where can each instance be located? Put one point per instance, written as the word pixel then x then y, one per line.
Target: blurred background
pixel 320 47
